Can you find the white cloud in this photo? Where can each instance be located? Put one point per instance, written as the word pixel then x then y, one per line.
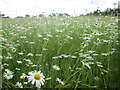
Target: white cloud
pixel 14 8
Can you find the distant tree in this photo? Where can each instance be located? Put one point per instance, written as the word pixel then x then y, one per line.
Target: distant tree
pixel 53 14
pixel 41 15
pixel 97 12
pixel 106 12
pixel 7 17
pixel 2 15
pixel 59 14
pixel 27 15
pixel 19 17
pixel 66 14
pixel 62 14
pixel 34 16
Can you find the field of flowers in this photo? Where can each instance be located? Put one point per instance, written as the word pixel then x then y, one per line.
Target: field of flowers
pixel 59 52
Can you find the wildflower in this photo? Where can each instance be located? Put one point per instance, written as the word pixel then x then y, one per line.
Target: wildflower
pixel 59 31
pixel 45 49
pixel 48 78
pixel 39 35
pixel 19 61
pixel 102 73
pixel 45 39
pixel 73 56
pixel 27 60
pixel 20 53
pixel 5 64
pixel 49 35
pixel 37 77
pixel 99 64
pixel 30 62
pixel 96 78
pixel 63 55
pixel 33 65
pixel 19 85
pixel 8 57
pixel 8 74
pixel 55 57
pixel 105 71
pixel 95 54
pixel 91 51
pixel 17 68
pixel 86 64
pixel 32 42
pixel 89 57
pixel 59 56
pixel 105 54
pixel 30 54
pixel 83 55
pixel 56 67
pixel 13 49
pixel 25 82
pixel 59 80
pixel 23 76
pixel 1 56
pixel 38 55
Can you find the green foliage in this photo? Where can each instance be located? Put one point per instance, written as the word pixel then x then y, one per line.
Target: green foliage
pixel 108 11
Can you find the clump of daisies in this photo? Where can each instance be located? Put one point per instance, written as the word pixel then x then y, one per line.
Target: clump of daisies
pixel 8 74
pixel 36 77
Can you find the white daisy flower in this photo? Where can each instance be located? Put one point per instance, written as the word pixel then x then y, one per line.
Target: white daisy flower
pixel 73 56
pixel 48 78
pixel 30 54
pixel 87 64
pixel 55 57
pixel 18 84
pixel 25 82
pixel 39 35
pixel 8 57
pixel 17 69
pixel 37 77
pixel 33 65
pixel 61 82
pixel 1 56
pixel 8 74
pixel 19 61
pixel 20 53
pixel 5 64
pixel 56 67
pixel 23 76
pixel 91 51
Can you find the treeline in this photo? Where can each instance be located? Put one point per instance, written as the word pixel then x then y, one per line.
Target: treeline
pixel 108 11
pixel 43 15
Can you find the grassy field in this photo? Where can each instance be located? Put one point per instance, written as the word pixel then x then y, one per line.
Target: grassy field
pixel 71 52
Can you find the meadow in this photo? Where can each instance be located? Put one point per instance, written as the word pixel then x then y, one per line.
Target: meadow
pixel 70 52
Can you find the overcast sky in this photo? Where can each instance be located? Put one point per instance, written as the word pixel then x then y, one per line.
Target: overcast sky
pixel 15 8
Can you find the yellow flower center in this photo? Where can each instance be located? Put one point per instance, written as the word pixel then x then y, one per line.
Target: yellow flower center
pixel 37 76
pixel 56 67
pixel 60 81
pixel 8 74
pixel 19 86
pixel 102 73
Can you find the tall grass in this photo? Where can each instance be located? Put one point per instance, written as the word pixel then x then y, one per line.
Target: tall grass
pixel 83 47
